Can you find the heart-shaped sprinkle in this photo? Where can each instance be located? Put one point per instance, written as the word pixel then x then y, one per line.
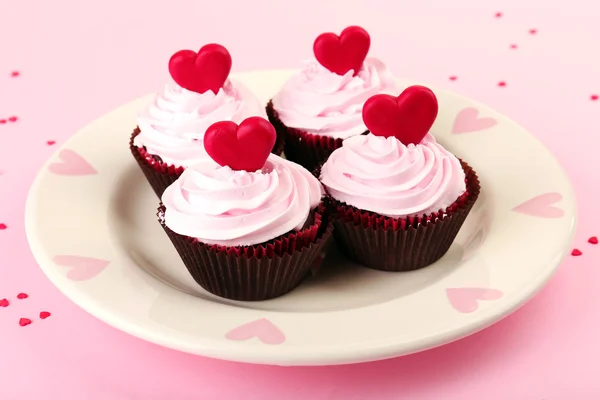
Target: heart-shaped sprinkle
pixel 593 240
pixel 408 117
pixel 24 321
pixel 343 53
pixel 50 142
pixel 44 314
pixel 242 148
pixel 4 303
pixel 3 226
pixel 199 72
pixel 22 296
pixel 576 252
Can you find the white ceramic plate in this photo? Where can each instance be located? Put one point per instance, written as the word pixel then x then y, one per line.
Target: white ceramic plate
pixel 92 227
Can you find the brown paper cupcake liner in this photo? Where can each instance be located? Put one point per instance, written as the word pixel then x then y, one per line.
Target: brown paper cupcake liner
pixel 302 147
pixel 389 244
pixel 159 174
pixel 260 272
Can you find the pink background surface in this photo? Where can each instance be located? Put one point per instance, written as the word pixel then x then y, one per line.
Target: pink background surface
pixel 80 59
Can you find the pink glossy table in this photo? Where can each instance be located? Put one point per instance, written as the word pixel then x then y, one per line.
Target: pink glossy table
pixel 79 59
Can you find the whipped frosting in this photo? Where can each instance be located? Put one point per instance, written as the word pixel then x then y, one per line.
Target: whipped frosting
pixel 321 102
pixel 218 205
pixel 384 176
pixel 173 125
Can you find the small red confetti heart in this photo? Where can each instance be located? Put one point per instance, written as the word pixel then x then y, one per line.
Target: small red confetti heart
pixel 203 71
pixel 3 121
pixel 498 15
pixel 408 117
pixel 594 97
pixel 4 303
pixel 453 77
pixel 44 314
pixel 22 296
pixel 501 83
pixel 242 148
pixel 593 240
pixel 3 226
pixel 343 53
pixel 12 119
pixel 50 142
pixel 14 74
pixel 532 31
pixel 513 46
pixel 24 321
pixel 576 252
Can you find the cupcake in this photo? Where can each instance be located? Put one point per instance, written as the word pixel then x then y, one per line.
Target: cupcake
pixel 399 198
pixel 248 224
pixel 321 106
pixel 169 134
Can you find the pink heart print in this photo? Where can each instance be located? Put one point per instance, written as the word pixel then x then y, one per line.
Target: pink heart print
pixel 82 268
pixel 72 164
pixel 466 300
pixel 541 206
pixel 468 120
pixel 262 329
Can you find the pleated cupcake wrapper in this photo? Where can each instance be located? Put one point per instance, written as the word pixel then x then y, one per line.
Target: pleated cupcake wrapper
pixel 302 147
pixel 255 273
pixel 159 174
pixel 388 244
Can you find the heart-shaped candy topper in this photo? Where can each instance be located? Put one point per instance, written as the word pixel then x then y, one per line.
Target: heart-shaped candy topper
pixel 242 148
pixel 408 117
pixel 206 70
pixel 343 53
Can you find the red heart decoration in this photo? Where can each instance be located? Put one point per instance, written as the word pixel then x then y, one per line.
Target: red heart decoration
pixel 242 148
pixel 343 53
pixel 207 70
pixel 408 117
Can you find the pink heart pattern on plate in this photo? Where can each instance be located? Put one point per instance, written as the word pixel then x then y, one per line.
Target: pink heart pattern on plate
pixel 262 329
pixel 72 164
pixel 466 300
pixel 82 268
pixel 541 206
pixel 468 120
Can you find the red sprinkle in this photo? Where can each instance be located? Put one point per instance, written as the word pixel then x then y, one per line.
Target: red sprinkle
pixel 576 252
pixel 593 240
pixel 453 77
pixel 22 296
pixel 3 226
pixel 513 46
pixel 13 119
pixel 501 83
pixel 44 314
pixel 50 142
pixel 4 303
pixel 498 15
pixel 14 74
pixel 3 121
pixel 24 321
pixel 533 31
pixel 594 97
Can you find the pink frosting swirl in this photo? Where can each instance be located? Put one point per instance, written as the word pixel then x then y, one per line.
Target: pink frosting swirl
pixel 173 125
pixel 220 206
pixel 322 102
pixel 384 176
